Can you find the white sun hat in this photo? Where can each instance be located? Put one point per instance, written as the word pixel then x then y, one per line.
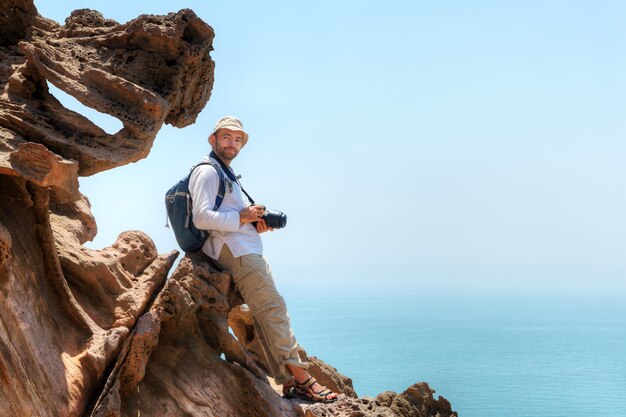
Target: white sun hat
pixel 232 123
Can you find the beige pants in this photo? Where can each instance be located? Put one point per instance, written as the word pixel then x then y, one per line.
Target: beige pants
pixel 253 279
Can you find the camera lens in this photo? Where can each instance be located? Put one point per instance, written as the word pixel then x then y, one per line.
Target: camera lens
pixel 275 219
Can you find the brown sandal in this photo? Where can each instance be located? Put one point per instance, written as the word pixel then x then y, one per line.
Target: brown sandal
pixel 305 391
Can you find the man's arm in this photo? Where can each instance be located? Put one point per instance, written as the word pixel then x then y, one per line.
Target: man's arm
pixel 203 186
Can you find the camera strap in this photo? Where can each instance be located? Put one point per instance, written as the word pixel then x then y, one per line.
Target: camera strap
pixel 230 174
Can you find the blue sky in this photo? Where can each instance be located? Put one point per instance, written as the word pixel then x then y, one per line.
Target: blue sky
pixel 434 145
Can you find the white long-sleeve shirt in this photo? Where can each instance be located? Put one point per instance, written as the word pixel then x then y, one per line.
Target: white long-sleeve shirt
pixel 223 224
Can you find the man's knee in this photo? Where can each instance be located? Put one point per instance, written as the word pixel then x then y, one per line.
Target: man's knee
pixel 262 303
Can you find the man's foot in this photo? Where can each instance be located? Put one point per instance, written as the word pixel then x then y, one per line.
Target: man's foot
pixel 311 390
pixel 302 377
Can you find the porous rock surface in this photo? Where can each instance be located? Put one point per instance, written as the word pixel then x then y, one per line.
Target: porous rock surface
pixel 149 71
pixel 88 332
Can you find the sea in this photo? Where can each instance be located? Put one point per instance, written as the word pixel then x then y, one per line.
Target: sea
pixel 497 355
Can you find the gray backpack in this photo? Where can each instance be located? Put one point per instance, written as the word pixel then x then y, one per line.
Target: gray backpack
pixel 179 211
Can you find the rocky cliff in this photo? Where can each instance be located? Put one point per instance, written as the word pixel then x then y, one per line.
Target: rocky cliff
pixel 104 332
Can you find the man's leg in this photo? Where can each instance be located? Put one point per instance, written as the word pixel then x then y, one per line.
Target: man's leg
pixel 253 279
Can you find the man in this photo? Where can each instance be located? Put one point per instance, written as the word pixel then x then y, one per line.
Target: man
pixel 234 243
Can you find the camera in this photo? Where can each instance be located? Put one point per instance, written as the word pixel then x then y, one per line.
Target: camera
pixel 275 219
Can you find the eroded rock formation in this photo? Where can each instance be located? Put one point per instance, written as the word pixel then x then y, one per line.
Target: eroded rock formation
pixel 149 71
pixel 102 332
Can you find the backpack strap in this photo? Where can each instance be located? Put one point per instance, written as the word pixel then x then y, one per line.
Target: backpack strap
pixel 221 191
pixel 230 173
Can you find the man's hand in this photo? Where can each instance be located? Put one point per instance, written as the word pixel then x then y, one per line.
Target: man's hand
pixel 261 226
pixel 251 214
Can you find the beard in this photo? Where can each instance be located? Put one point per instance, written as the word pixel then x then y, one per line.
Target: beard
pixel 226 153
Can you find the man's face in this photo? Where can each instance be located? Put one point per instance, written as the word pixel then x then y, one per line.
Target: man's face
pixel 227 143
